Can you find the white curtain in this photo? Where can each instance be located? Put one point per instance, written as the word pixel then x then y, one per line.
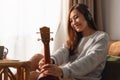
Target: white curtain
pixel 61 35
pixel 19 22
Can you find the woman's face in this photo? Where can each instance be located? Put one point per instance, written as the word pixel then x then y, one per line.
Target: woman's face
pixel 77 21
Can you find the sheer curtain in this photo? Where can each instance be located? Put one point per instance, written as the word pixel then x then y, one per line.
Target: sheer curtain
pixel 60 36
pixel 19 22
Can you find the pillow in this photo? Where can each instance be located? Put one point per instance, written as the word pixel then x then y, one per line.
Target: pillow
pixel 113 58
pixel 114 48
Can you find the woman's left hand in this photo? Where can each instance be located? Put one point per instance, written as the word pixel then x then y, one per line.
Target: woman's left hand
pixel 51 69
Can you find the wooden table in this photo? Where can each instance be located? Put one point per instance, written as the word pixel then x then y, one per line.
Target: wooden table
pixel 22 68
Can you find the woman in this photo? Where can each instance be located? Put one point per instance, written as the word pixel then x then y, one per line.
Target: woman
pixel 83 56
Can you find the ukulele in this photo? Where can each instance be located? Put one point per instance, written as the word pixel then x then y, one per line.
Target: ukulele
pixel 45 37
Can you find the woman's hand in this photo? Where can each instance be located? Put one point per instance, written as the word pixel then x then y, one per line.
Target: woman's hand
pixel 42 62
pixel 51 69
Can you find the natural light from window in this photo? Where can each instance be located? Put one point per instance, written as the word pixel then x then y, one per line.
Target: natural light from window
pixel 21 19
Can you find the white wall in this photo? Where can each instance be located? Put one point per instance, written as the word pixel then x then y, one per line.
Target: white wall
pixel 111 18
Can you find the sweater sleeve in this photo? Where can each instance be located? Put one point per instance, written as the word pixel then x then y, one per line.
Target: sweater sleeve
pixel 61 56
pixel 95 56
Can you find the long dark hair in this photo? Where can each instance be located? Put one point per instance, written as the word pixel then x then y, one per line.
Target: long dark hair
pixel 73 36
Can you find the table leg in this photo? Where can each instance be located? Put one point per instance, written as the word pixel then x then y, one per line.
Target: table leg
pixel 6 73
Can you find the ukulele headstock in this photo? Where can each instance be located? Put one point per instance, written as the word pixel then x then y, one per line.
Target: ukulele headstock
pixel 45 34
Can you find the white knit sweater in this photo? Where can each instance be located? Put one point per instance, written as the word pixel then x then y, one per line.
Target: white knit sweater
pixel 89 61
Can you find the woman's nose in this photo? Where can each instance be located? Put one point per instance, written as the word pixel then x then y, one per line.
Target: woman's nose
pixel 74 22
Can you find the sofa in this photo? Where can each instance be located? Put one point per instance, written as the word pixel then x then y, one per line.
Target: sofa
pixel 112 68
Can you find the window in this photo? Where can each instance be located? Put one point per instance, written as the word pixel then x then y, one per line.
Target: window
pixel 19 22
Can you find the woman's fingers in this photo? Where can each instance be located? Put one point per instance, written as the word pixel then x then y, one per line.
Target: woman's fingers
pixel 41 63
pixel 51 69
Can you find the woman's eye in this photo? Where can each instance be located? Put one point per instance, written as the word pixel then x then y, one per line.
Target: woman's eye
pixel 76 17
pixel 73 19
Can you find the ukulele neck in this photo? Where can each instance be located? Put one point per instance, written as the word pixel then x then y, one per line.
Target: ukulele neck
pixel 47 53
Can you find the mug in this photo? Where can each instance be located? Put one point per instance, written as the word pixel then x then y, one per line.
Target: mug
pixel 3 52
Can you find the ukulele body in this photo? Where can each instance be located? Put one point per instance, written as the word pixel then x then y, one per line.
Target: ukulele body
pixel 49 77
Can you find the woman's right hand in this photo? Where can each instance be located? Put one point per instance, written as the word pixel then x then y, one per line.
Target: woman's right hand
pixel 41 63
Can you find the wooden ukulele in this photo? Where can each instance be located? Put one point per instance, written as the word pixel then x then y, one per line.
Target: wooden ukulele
pixel 45 37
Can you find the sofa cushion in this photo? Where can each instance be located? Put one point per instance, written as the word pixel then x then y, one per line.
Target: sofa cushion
pixel 113 58
pixel 114 48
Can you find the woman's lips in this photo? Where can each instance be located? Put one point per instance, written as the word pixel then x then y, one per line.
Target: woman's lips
pixel 77 26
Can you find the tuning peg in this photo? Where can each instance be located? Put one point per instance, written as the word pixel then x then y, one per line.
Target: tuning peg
pixel 37 32
pixel 51 39
pixel 41 39
pixel 38 39
pixel 51 32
